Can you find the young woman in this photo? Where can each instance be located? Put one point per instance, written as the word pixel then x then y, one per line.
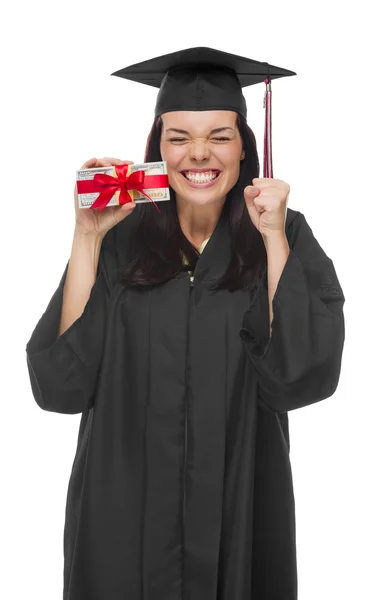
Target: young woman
pixel 181 487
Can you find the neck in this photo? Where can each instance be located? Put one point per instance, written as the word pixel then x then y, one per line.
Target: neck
pixel 198 221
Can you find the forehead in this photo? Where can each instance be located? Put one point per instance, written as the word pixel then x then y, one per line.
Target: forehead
pixel 196 121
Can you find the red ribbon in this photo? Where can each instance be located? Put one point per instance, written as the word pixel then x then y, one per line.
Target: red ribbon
pixel 107 185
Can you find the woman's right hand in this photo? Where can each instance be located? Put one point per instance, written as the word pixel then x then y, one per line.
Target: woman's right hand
pixel 89 220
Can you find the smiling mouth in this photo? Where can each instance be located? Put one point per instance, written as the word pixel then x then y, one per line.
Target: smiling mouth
pixel 201 177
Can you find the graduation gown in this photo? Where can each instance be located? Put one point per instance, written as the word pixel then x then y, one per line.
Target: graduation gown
pixel 181 487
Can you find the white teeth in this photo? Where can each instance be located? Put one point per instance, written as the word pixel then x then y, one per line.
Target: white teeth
pixel 201 177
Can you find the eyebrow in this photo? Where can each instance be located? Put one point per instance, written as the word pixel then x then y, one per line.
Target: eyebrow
pixel 213 130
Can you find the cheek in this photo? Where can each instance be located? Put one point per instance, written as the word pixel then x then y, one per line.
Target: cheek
pixel 232 164
pixel 171 154
pixel 229 155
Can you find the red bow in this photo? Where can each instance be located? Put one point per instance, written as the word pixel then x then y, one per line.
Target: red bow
pixel 107 185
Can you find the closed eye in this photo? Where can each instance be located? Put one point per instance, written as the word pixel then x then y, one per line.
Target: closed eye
pixel 220 139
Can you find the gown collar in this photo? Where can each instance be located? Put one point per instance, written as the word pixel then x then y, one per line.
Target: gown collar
pixel 216 256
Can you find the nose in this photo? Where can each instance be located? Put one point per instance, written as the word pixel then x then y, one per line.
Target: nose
pixel 199 150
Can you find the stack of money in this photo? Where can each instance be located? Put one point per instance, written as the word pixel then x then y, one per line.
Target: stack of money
pixel 86 200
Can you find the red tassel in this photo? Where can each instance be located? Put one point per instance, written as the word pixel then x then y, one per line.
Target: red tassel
pixel 268 159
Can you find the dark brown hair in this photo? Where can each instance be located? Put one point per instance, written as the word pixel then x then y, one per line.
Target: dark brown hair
pixel 158 237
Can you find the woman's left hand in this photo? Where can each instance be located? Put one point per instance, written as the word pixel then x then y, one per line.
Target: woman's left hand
pixel 266 202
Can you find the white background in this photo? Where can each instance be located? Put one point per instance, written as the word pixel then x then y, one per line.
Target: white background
pixel 60 106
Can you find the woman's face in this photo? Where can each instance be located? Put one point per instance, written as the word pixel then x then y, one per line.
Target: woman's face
pixel 203 150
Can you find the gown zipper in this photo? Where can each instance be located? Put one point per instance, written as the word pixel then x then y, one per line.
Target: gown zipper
pixel 185 440
pixel 186 415
pixel 184 465
pixel 186 428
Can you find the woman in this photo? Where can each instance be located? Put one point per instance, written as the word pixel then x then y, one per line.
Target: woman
pixel 181 486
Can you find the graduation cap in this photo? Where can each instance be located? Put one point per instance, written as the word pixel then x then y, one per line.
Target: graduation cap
pixel 203 78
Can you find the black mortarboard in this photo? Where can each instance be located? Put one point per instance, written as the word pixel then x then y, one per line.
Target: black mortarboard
pixel 207 79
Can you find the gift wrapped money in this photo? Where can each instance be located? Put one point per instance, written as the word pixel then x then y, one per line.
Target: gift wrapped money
pixel 117 184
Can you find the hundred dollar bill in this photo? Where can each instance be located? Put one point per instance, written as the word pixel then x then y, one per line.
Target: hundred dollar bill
pixel 86 200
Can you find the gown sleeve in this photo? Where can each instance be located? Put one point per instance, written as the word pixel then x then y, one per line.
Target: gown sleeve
pixel 299 364
pixel 63 370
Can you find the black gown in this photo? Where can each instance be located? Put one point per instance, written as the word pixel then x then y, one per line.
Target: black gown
pixel 181 486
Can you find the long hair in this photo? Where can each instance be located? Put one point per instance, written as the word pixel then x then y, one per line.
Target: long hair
pixel 158 238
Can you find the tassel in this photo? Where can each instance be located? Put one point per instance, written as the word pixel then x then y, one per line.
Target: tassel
pixel 268 159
